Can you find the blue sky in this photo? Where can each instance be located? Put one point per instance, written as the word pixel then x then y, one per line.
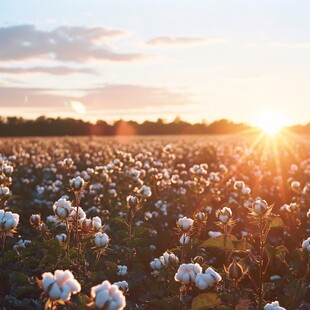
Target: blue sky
pixel 148 59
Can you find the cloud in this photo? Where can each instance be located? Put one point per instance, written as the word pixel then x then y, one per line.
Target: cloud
pixel 108 97
pixel 59 70
pixel 75 44
pixel 180 41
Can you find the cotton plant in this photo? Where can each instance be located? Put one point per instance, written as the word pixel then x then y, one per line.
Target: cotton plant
pixel 185 228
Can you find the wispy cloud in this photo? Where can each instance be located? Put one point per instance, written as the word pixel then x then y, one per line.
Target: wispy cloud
pixel 166 41
pixel 59 70
pixel 98 99
pixel 72 44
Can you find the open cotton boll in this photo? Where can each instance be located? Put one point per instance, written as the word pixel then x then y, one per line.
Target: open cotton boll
pixel 8 220
pixel 187 273
pixel 169 258
pixel 213 234
pixel 306 244
pixel 62 208
pixel 122 285
pixel 61 285
pixel 97 223
pixel 77 183
pixel 273 306
pixel 224 215
pixel 122 270
pixel 107 296
pixel 185 239
pixel 101 239
pixel 156 264
pixel 185 223
pixel 207 279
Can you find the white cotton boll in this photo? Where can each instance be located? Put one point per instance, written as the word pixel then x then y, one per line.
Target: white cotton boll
pixel 239 185
pixel 86 225
pixel 273 306
pixel 185 239
pixel 4 191
pixel 148 215
pixel 187 273
pixel 101 239
pixel 61 285
pixel 295 185
pixel 122 270
pixel 306 244
pixel 97 223
pixel 108 297
pixel 122 285
pixel 213 234
pixel 224 214
pixel 7 170
pixel 145 191
pixel 214 274
pixel 207 279
pixel 260 207
pixel 169 258
pixel 62 208
pixel 156 264
pixel 8 220
pixel 61 238
pixel 81 214
pixel 185 223
pixel 246 191
pixel 77 183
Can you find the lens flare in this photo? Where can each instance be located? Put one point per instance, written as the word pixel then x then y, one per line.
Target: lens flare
pixel 271 122
pixel 77 106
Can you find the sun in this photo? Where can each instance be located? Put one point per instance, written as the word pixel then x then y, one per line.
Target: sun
pixel 271 122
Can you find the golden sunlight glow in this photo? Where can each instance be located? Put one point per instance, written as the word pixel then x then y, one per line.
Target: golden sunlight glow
pixel 271 122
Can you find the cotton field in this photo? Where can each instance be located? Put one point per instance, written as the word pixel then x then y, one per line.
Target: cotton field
pixel 155 223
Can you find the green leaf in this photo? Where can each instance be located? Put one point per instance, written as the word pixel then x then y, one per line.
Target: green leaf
pixel 140 242
pixel 226 242
pixel 140 230
pixel 278 252
pixel 281 252
pixel 167 303
pixel 19 277
pixel 23 291
pixel 205 301
pixel 277 222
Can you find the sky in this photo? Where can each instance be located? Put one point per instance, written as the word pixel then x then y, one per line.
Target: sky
pixel 143 60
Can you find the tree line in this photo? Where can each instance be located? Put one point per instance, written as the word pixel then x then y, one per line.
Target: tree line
pixel 45 126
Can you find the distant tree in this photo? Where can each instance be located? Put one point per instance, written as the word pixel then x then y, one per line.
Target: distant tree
pixel 44 126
